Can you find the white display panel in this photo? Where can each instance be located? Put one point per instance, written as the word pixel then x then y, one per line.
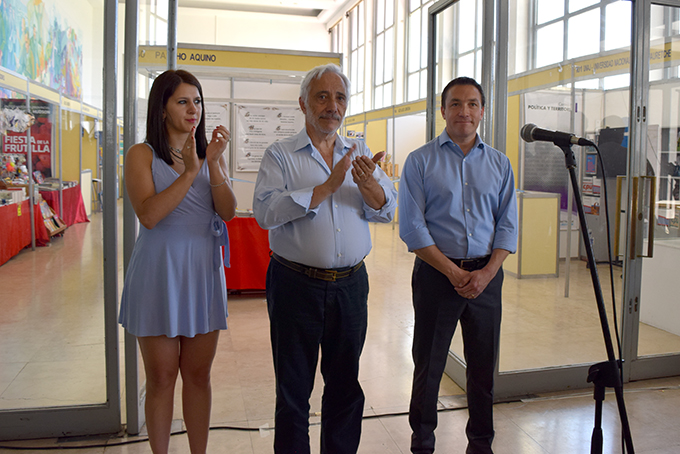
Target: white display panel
pixel 257 127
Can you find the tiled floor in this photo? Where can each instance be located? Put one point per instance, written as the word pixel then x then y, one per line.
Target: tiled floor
pixel 62 362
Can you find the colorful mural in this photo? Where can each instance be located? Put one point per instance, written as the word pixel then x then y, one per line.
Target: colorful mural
pixel 36 42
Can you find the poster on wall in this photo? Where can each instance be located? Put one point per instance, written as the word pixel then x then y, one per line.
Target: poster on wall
pixel 257 127
pixel 591 205
pixel 591 186
pixel 216 114
pixel 544 168
pixel 15 142
pixel 591 164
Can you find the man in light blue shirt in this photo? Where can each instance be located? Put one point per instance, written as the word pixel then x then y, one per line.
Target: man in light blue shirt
pixel 315 193
pixel 459 216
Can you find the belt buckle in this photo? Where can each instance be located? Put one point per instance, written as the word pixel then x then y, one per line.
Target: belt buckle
pixel 323 275
pixel 465 262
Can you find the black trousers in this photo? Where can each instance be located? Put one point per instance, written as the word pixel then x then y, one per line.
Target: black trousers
pixel 438 309
pixel 305 314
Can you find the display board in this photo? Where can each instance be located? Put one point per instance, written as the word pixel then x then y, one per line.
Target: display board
pixel 216 114
pixel 543 163
pixel 257 127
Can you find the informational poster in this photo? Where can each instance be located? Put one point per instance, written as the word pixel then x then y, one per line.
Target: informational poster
pixel 591 164
pixel 544 166
pixel 674 222
pixel 590 189
pixel 14 142
pixel 591 205
pixel 257 127
pixel 217 114
pixel 591 186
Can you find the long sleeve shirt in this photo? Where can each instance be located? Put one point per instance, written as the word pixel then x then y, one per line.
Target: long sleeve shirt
pixel 463 204
pixel 334 234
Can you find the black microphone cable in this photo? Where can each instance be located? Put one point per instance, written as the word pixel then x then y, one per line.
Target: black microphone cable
pixel 609 256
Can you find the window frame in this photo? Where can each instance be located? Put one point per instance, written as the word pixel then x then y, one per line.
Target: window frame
pixel 357 54
pixel 382 35
pixel 421 72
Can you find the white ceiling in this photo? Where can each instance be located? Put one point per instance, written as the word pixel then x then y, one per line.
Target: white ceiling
pixel 321 9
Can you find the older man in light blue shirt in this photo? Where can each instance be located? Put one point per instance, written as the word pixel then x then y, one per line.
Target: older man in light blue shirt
pixel 333 234
pixel 315 193
pixel 459 216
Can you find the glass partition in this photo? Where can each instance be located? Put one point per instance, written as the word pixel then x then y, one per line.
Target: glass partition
pixel 568 71
pixel 459 42
pixel 457 51
pixel 62 363
pixel 53 343
pixel 53 354
pixel 659 326
pixel 416 49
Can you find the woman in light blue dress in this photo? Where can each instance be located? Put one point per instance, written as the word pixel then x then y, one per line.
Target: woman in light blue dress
pixel 175 298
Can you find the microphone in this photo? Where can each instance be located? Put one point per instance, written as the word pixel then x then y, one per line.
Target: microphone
pixel 532 133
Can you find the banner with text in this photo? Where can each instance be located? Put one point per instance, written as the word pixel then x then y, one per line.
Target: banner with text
pixel 15 142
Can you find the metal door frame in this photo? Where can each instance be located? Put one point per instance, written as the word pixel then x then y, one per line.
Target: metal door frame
pixel 100 418
pixel 493 131
pixel 635 367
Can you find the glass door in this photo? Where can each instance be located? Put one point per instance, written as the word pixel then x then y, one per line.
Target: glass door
pixel 654 242
pixel 59 373
pixel 566 66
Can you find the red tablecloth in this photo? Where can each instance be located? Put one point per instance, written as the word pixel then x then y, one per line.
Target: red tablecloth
pixel 74 208
pixel 15 229
pixel 249 255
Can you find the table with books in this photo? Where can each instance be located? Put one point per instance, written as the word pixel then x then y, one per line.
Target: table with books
pixel 74 208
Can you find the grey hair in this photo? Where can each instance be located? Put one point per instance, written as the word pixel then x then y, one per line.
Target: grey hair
pixel 317 72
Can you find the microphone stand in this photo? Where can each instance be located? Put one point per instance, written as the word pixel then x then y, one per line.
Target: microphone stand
pixel 605 374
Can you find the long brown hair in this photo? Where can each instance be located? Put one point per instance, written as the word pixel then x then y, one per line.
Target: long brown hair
pixel 156 132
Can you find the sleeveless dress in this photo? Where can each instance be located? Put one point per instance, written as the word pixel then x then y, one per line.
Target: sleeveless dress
pixel 175 284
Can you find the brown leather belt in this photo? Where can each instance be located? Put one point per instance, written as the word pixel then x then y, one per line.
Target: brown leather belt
pixel 471 264
pixel 319 273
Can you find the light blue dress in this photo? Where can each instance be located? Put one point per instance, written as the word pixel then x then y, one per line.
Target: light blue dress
pixel 175 284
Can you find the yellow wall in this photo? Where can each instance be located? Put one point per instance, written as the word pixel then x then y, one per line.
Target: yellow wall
pixel 510 264
pixel 56 171
pixel 440 123
pixel 90 147
pixel 70 145
pixel 512 135
pixel 539 229
pixel 539 221
pixel 376 136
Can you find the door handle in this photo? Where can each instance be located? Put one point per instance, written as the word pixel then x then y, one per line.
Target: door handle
pixel 645 185
pixel 633 221
pixel 617 221
pixel 652 214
